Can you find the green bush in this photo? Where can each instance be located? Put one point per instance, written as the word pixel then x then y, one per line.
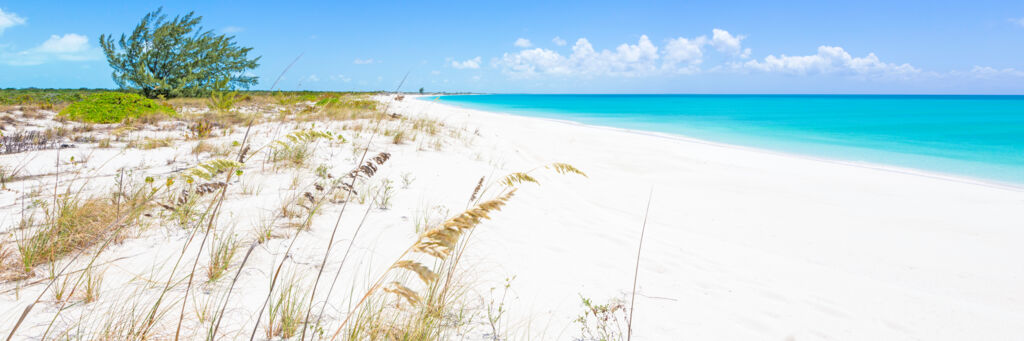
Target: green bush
pixel 113 107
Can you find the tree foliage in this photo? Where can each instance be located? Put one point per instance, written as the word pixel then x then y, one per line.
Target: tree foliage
pixel 175 57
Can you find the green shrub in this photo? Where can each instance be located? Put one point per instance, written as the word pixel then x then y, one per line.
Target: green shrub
pixel 113 107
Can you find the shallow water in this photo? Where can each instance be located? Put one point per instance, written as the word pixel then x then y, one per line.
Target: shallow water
pixel 974 136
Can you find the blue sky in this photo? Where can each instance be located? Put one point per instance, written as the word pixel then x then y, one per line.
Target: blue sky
pixel 569 47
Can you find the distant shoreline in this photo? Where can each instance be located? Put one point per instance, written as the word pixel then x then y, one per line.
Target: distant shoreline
pixel 947 176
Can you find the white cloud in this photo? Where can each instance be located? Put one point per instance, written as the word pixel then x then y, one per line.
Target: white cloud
pixel 830 59
pixel 725 42
pixel 1018 21
pixel 340 77
pixel 8 20
pixel 66 44
pixel 523 42
pixel 679 55
pixel 312 78
pixel 558 41
pixel 364 61
pixel 435 72
pixel 625 60
pixel 684 54
pixel 991 72
pixel 69 47
pixel 467 64
pixel 232 29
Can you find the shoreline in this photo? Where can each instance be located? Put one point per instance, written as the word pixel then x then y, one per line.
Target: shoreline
pixel 1010 186
pixel 748 243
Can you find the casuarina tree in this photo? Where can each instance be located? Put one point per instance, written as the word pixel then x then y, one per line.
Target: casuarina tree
pixel 175 57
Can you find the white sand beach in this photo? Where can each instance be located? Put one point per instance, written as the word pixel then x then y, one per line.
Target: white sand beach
pixel 747 244
pixel 740 244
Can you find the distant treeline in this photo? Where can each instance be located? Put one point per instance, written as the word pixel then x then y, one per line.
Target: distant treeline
pixel 50 97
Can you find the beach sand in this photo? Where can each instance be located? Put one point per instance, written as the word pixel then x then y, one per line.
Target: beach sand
pixel 740 243
pixel 748 244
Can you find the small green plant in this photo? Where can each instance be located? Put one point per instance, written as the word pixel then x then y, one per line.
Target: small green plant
pixel 6 174
pixel 398 137
pixel 407 180
pixel 285 314
pixel 322 171
pixel 251 187
pixel 200 129
pixel 602 321
pixel 297 147
pixel 104 143
pixel 61 286
pixel 93 284
pixel 221 101
pixel 204 308
pixel 221 253
pixel 264 230
pixel 387 193
pixel 496 309
pixel 113 107
pixel 187 209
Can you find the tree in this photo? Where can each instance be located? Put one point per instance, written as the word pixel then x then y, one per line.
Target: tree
pixel 421 91
pixel 172 58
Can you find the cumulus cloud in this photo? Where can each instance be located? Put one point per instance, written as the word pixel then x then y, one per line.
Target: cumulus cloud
pixel 523 42
pixel 69 47
pixel 312 78
pixel 8 20
pixel 679 55
pixel 830 59
pixel 363 61
pixel 683 55
pixel 558 41
pixel 467 64
pixel 725 42
pixel 625 60
pixel 232 29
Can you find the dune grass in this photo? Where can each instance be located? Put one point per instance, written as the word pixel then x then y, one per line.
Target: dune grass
pixel 75 223
pixel 423 294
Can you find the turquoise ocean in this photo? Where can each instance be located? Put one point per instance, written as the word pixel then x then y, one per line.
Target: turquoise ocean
pixel 979 137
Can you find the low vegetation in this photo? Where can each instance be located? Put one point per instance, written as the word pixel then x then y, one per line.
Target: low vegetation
pixel 74 223
pixel 49 99
pixel 113 107
pixel 425 293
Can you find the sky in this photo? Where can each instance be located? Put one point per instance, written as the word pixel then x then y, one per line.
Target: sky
pixel 876 47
